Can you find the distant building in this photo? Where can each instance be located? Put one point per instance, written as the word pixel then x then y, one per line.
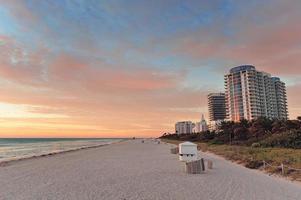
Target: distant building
pixel 217 109
pixel 200 126
pixel 215 125
pixel 281 99
pixel 251 94
pixel 197 127
pixel 184 127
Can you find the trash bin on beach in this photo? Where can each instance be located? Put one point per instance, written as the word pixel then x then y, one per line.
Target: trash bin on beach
pixel 195 167
pixel 188 151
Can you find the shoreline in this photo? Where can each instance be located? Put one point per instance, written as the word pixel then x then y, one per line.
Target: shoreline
pixel 16 160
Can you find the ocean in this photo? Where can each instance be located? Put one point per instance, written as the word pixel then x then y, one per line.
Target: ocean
pixel 17 148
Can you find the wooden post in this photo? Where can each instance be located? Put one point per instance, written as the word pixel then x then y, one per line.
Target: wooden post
pixel 263 164
pixel 202 164
pixel 209 164
pixel 282 168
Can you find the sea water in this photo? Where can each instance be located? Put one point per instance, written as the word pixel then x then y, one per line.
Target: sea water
pixel 16 148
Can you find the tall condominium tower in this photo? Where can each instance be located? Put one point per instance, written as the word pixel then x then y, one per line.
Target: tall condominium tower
pixel 217 109
pixel 251 94
pixel 216 106
pixel 281 99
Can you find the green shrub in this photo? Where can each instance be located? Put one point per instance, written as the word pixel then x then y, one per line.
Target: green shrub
pixel 254 164
pixel 288 139
pixel 261 132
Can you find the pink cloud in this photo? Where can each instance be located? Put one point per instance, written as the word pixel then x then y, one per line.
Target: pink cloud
pixel 271 42
pixel 124 97
pixel 101 76
pixel 142 100
pixel 158 110
pixel 19 64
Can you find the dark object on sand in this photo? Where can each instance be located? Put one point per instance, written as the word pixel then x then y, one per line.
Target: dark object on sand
pixel 195 167
pixel 142 141
pixel 174 150
pixel 202 164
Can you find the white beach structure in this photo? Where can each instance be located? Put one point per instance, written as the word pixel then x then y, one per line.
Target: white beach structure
pixel 188 151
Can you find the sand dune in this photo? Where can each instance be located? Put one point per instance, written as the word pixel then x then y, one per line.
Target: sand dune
pixel 132 170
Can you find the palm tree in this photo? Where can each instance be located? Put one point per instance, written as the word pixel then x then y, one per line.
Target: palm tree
pixel 260 127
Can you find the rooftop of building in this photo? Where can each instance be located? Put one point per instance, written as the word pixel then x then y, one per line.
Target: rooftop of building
pixel 216 94
pixel 242 68
pixel 276 78
pixel 184 122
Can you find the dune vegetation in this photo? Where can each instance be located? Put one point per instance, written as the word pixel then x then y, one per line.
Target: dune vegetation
pixel 259 144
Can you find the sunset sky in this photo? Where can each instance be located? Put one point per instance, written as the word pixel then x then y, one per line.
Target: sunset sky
pixel 91 68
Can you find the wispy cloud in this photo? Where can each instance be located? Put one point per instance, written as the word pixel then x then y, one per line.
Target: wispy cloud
pixel 122 68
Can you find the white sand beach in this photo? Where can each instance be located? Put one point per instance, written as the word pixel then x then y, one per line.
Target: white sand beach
pixel 135 170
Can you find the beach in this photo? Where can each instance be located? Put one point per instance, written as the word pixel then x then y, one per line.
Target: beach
pixel 135 170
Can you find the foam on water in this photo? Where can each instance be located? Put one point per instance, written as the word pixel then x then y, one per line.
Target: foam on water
pixel 16 148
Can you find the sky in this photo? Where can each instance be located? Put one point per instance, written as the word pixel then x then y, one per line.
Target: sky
pixel 123 68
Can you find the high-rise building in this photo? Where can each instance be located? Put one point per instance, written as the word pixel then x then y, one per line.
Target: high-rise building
pixel 281 98
pixel 217 109
pixel 216 106
pixel 251 94
pixel 184 127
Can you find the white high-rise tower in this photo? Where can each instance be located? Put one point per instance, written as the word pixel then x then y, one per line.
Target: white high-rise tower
pixel 251 94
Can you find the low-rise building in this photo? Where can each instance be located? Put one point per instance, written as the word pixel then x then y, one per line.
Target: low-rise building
pixel 215 125
pixel 184 127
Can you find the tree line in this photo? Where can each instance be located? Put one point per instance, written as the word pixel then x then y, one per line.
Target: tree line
pixel 262 132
